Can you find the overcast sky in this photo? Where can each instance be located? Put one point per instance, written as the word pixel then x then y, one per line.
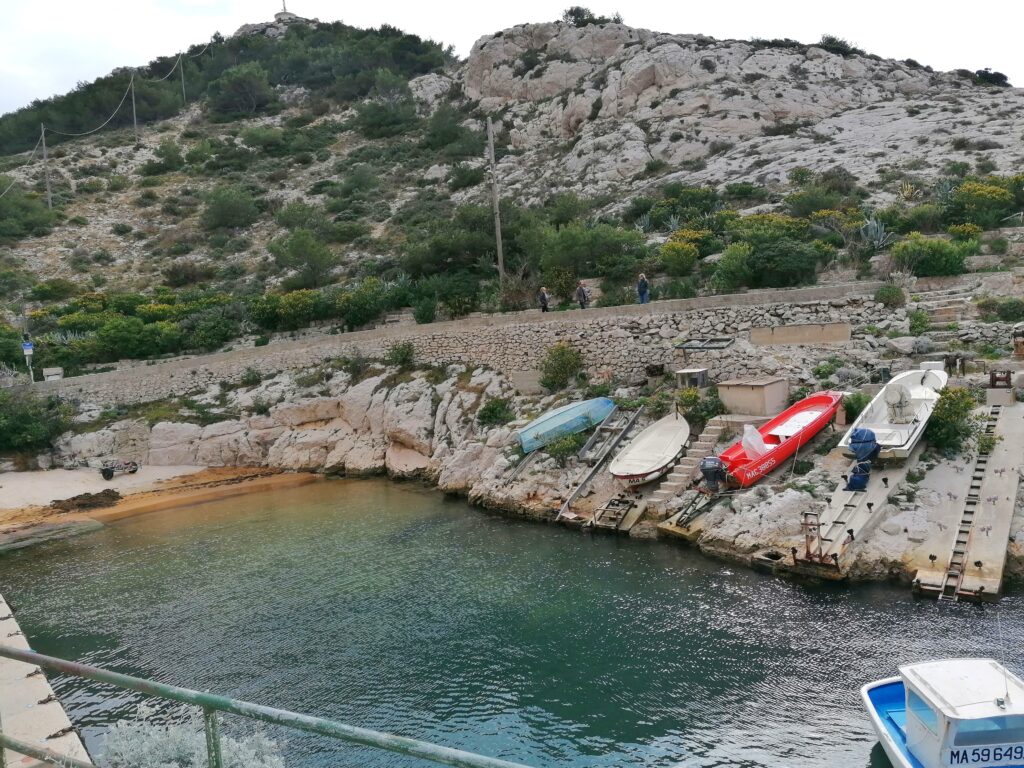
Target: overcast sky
pixel 46 48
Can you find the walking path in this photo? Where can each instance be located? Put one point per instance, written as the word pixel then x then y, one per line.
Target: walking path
pixel 29 710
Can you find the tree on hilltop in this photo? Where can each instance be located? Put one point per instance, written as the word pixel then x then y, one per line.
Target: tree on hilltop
pixel 578 16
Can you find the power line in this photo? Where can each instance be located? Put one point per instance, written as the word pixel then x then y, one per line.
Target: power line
pixel 31 155
pixel 177 61
pixel 130 88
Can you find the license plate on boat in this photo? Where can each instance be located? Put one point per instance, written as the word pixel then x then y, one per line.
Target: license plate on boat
pixel 1008 754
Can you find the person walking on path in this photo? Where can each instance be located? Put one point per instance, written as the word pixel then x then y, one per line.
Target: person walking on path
pixel 582 295
pixel 544 299
pixel 643 289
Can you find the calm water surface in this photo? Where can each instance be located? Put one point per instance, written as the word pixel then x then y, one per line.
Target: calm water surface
pixel 391 607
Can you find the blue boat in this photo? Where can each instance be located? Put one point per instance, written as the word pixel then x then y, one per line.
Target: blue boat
pixel 941 714
pixel 567 420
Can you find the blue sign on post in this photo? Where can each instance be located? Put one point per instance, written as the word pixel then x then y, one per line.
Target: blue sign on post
pixel 27 347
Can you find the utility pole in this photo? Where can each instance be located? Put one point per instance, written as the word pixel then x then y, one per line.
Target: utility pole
pixel 181 68
pixel 496 199
pixel 135 122
pixel 46 168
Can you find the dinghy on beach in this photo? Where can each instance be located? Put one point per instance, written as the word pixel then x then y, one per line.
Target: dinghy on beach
pixel 653 452
pixel 952 712
pixel 899 413
pixel 761 450
pixel 567 420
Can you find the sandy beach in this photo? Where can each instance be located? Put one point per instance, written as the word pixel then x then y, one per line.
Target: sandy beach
pixel 26 517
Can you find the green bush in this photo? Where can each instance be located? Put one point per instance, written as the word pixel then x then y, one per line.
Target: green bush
pixel 30 423
pixel 783 263
pixel 463 176
pixel 242 90
pixel 496 412
pixel 425 311
pixel 928 257
pixel 298 309
pixel 312 260
pixel 733 270
pixel 391 110
pixel 251 377
pixel 229 207
pixel 890 295
pixel 564 448
pixel 983 204
pixel 22 214
pixel 699 409
pixel 921 218
pixel 54 289
pixel 854 404
pixel 678 258
pixel 1011 310
pixel 560 365
pixel 952 424
pixel 919 321
pixel 401 354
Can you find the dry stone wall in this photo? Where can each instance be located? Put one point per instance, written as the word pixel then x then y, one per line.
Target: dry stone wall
pixel 616 342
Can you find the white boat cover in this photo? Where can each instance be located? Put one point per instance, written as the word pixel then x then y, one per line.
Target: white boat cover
pixel 753 443
pixel 653 449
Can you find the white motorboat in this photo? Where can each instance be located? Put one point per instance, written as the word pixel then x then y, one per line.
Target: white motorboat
pixel 653 452
pixel 899 413
pixel 953 712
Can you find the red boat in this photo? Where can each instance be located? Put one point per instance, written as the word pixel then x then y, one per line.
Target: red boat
pixel 761 450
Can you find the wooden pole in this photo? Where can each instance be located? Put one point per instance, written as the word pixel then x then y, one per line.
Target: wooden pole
pixel 46 169
pixel 135 122
pixel 496 200
pixel 181 68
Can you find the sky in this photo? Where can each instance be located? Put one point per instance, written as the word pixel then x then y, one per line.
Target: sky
pixel 47 48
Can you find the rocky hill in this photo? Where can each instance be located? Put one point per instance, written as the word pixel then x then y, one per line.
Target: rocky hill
pixel 609 139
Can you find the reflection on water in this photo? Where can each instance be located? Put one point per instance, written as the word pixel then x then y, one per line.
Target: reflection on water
pixel 391 607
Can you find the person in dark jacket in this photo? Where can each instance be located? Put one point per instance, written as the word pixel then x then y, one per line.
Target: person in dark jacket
pixel 544 298
pixel 582 295
pixel 643 289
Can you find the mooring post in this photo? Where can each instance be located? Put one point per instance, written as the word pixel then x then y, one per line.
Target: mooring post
pixel 212 728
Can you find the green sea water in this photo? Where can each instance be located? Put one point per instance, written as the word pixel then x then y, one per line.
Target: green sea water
pixel 391 607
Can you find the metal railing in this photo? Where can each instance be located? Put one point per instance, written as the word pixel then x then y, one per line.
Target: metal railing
pixel 212 704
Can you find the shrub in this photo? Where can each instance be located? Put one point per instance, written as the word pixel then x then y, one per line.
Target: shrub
pixel 312 260
pixel 919 321
pixel 998 245
pixel 564 448
pixel 54 289
pixel 783 263
pixel 229 207
pixel 30 423
pixel 678 258
pixel 854 404
pixel 402 354
pixel 22 214
pixel 1011 310
pixel 121 228
pixel 891 295
pixel 390 112
pixel 961 232
pixel 927 257
pixel 921 218
pixel 463 176
pixel 561 364
pixel 811 199
pixel 181 273
pixel 979 203
pixel 425 311
pixel 496 412
pixel 298 309
pixel 733 269
pixel 251 377
pixel 578 16
pixel 952 424
pixel 699 409
pixel 241 90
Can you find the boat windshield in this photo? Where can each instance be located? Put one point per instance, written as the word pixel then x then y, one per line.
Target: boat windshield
pixel 1001 729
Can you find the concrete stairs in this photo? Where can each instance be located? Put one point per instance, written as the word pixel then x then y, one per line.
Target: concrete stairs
pixel 682 477
pixel 945 307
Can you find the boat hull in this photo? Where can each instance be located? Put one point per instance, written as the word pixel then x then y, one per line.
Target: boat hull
pixel 898 441
pixel 746 471
pixel 561 422
pixel 882 699
pixel 653 452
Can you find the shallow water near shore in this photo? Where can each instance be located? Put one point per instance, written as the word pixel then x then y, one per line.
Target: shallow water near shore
pixel 391 607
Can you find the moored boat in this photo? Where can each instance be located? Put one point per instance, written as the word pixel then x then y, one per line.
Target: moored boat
pixel 899 413
pixel 653 452
pixel 950 712
pixel 567 420
pixel 765 448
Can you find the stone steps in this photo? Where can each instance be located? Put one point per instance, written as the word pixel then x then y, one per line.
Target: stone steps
pixel 682 476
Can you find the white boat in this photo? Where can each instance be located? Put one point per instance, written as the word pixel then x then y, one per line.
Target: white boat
pixel 653 452
pixel 899 413
pixel 948 713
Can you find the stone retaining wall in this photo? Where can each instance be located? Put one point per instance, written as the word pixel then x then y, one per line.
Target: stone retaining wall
pixel 615 341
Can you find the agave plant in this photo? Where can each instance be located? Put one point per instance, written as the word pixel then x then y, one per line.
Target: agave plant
pixel 673 223
pixel 643 223
pixel 874 234
pixel 908 191
pixel 944 190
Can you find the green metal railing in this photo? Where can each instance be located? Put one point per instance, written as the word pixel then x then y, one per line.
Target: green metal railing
pixel 212 704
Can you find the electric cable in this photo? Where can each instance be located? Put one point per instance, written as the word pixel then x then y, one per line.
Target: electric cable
pixel 31 155
pixel 131 82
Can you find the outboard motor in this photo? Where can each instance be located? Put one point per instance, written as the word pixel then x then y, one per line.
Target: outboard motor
pixel 712 469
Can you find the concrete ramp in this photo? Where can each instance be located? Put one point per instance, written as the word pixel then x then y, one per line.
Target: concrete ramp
pixel 977 546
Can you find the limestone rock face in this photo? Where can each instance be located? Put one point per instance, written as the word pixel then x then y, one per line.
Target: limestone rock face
pixel 128 439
